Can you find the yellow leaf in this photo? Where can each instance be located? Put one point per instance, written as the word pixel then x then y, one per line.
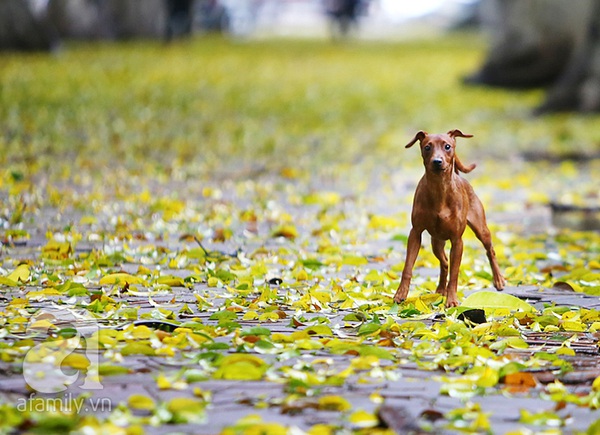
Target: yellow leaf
pixel 596 384
pixel 334 403
pixel 162 382
pixel 43 324
pixel 171 281
pixel 489 378
pixel 323 198
pixel 288 231
pixel 55 250
pixel 385 223
pixel 268 317
pixel 301 275
pixel 365 362
pixel 8 282
pixel 139 401
pixel 363 419
pixel 322 429
pixel 213 282
pixel 594 327
pixel 21 274
pixel 77 361
pixel 250 315
pixel 573 326
pixel 375 397
pixel 120 278
pixel 563 350
pixel 241 367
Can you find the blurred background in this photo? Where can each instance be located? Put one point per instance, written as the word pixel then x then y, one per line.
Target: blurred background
pixel 286 86
pixel 528 46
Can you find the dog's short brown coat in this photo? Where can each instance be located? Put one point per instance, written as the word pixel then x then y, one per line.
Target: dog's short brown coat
pixel 444 204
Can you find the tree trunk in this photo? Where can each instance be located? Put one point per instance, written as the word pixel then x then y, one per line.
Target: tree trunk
pixel 23 29
pixel 545 42
pixel 109 19
pixel 578 88
pixel 529 46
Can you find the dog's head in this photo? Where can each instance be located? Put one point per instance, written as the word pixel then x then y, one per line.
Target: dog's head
pixel 438 151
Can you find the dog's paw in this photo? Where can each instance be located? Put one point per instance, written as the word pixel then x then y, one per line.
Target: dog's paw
pixel 451 302
pixel 400 296
pixel 499 283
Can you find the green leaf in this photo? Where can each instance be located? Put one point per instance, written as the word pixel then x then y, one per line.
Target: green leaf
pixel 379 352
pixel 107 369
pixel 312 263
pixel 369 328
pixel 495 300
pixel 256 330
pixel 137 349
pixel 223 315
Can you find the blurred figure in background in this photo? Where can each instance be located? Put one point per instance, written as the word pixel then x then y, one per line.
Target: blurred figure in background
pixel 343 15
pixel 179 18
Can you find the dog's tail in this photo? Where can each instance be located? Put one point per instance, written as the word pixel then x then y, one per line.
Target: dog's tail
pixel 458 166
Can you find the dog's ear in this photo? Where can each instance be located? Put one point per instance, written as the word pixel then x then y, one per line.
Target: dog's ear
pixel 458 166
pixel 457 133
pixel 418 137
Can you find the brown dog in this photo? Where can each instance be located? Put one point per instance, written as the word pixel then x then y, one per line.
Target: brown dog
pixel 444 205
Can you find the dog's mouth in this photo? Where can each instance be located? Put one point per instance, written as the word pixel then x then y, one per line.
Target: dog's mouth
pixel 438 168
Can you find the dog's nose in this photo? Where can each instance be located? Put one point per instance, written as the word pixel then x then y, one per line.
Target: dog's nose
pixel 438 163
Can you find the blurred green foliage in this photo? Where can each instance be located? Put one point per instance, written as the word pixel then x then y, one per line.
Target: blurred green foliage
pixel 211 102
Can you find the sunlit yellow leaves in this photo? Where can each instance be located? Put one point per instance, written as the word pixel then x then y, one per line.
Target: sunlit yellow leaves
pixel 323 198
pixel 120 278
pixel 20 275
pixel 510 342
pixel 76 361
pixel 496 300
pixel 363 419
pixel 334 403
pixel 138 349
pixel 141 402
pixel 354 260
pixel 542 418
pixel 470 418
pixel 170 382
pixel 292 282
pixel 55 250
pixel 385 223
pixel 169 207
pixel 186 410
pixel 241 367
pixel 8 282
pixel 253 424
pixel 488 377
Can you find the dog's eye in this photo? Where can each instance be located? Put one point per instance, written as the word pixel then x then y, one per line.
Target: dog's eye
pixel 427 147
pixel 447 147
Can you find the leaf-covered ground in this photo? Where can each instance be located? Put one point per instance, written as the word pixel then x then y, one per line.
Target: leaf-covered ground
pixel 210 233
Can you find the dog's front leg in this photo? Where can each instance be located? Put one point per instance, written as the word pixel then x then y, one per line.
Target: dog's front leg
pixel 455 258
pixel 412 250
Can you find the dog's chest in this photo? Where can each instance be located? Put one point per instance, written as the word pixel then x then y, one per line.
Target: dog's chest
pixel 446 220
